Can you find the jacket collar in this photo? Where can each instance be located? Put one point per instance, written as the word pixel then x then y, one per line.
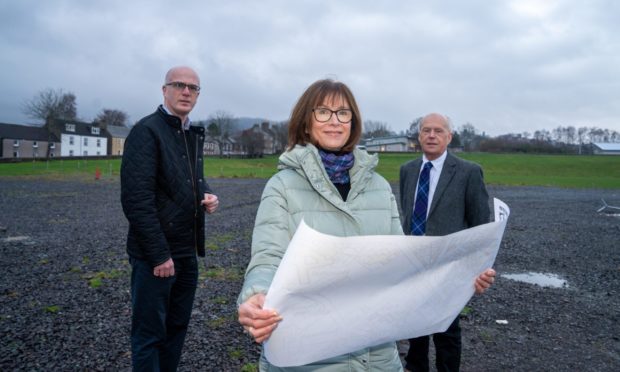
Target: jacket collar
pixel 306 161
pixel 175 122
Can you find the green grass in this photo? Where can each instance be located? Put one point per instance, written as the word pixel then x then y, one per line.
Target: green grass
pixel 95 280
pixel 466 311
pixel 249 367
pixel 62 168
pixel 235 353
pixel 53 309
pixel 570 171
pixel 221 273
pixel 221 300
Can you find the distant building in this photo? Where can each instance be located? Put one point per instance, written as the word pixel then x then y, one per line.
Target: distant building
pixel 230 147
pixel 600 148
pixel 116 138
pixel 222 146
pixel 391 144
pixel 21 141
pixel 260 140
pixel 211 146
pixel 77 138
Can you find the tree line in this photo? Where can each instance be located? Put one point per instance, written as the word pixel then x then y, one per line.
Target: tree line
pixel 561 140
pixel 58 104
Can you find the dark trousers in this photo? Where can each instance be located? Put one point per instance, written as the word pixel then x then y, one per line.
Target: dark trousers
pixel 447 350
pixel 161 309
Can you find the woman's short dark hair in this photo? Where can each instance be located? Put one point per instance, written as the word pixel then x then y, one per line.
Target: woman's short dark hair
pixel 300 123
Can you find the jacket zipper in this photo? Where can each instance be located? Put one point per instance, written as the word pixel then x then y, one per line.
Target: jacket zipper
pixel 193 181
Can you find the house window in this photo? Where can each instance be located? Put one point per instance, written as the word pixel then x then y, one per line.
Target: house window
pixel 70 127
pixel 94 130
pixel 35 144
pixel 85 153
pixel 98 153
pixel 71 140
pixel 85 141
pixel 15 143
pixel 52 145
pixel 16 154
pixel 98 142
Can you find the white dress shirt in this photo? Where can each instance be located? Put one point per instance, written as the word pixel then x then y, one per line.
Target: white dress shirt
pixel 434 177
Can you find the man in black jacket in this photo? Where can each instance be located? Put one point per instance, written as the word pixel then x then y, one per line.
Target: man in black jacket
pixel 164 197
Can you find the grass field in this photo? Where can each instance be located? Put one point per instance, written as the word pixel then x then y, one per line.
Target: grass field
pixel 570 171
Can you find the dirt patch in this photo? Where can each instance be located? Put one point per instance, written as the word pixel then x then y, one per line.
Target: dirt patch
pixel 65 302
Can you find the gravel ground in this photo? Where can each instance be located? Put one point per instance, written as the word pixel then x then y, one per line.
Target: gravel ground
pixel 65 303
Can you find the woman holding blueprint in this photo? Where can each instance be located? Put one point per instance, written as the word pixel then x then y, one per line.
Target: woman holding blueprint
pixel 330 184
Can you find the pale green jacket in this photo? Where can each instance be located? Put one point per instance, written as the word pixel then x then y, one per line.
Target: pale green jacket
pixel 302 190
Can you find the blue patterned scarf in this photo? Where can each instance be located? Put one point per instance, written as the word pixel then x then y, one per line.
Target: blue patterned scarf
pixel 337 165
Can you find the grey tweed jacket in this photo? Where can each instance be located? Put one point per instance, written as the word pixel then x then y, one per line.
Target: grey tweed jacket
pixel 460 200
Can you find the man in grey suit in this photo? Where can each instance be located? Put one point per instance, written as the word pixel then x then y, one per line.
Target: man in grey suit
pixel 453 198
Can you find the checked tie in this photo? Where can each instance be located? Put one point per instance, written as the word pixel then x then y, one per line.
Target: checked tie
pixel 418 220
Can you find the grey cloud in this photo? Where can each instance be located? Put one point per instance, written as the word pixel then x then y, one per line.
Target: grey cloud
pixel 504 66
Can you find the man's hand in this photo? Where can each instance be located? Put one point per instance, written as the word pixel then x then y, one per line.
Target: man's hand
pixel 210 203
pixel 484 281
pixel 164 270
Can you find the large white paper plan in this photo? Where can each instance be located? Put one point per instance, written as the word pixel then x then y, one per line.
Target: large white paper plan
pixel 340 294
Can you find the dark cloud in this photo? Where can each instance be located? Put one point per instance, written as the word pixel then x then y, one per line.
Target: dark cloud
pixel 507 66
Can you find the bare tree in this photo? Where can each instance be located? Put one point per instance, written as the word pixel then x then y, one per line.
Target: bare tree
pixel 376 129
pixel 224 121
pixel 597 134
pixel 112 117
pixel 542 135
pixel 281 132
pixel 219 126
pixel 414 127
pixel 51 104
pixel 582 135
pixel 468 136
pixel 213 130
pixel 571 135
pixel 253 142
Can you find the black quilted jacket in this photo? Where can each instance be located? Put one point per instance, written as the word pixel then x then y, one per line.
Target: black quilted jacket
pixel 162 185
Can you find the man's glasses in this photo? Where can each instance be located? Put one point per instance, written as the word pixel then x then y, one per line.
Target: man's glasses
pixel 181 86
pixel 322 115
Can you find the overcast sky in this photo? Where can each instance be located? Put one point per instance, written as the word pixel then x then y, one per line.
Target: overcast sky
pixel 504 66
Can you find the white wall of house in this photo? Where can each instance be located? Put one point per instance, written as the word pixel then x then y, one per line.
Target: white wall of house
pixel 392 147
pixel 392 144
pixel 75 145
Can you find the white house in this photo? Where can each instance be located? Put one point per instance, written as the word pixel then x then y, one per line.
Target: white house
pixel 79 139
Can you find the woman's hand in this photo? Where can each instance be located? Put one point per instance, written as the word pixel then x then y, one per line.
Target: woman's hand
pixel 257 321
pixel 484 281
